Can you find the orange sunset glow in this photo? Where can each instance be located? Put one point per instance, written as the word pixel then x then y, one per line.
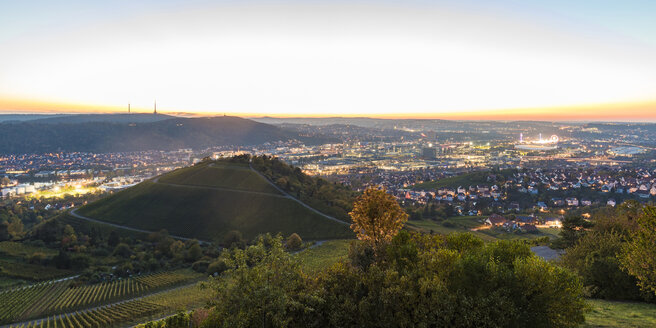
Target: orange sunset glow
pixel 296 59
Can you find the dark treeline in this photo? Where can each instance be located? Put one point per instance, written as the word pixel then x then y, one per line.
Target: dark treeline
pixel 170 134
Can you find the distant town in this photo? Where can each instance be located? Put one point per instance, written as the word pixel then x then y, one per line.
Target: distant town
pixel 523 170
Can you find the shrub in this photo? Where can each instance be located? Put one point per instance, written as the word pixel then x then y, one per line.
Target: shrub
pixel 201 266
pixel 122 250
pixel 217 267
pixel 294 242
pixel 594 257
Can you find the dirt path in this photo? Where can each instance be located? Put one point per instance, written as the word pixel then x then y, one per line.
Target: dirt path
pixel 74 213
pixel 295 199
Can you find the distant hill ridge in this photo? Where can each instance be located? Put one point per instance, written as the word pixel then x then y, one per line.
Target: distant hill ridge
pixel 137 132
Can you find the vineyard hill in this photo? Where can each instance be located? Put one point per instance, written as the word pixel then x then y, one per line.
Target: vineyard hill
pixel 210 199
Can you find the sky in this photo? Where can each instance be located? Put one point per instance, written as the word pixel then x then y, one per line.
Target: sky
pixel 468 59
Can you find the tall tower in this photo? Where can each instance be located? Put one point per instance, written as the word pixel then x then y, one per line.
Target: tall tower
pixel 155 111
pixel 521 137
pixel 128 108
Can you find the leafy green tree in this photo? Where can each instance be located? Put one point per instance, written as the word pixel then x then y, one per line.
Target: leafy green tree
pixel 62 260
pixel 194 252
pixel 421 281
pixel 639 256
pixel 122 250
pixel 573 228
pixel 377 217
pixel 233 238
pixel 113 239
pixel 595 258
pixel 263 287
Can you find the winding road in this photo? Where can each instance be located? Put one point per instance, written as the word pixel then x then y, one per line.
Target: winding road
pixel 73 212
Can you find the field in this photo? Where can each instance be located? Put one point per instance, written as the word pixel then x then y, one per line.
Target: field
pixel 200 211
pixel 23 250
pixel 58 297
pixel 107 316
pixel 183 298
pixel 465 223
pixel 30 271
pixel 620 314
pixel 324 255
pixel 464 180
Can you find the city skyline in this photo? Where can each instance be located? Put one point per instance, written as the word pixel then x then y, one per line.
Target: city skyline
pixel 533 60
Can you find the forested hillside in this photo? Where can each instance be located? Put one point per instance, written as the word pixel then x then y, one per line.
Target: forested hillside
pixel 115 136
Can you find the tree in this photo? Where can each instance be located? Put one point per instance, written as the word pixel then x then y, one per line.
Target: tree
pixel 377 217
pixel 639 256
pixel 595 259
pixel 425 281
pixel 5 181
pixel 113 239
pixel 574 227
pixel 123 250
pixel 294 242
pixel 264 286
pixel 233 238
pixel 194 252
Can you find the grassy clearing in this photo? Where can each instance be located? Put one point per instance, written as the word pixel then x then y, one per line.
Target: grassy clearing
pixel 427 226
pixel 24 250
pixel 184 298
pixel 238 177
pixel 464 180
pixel 620 314
pixel 208 214
pixel 324 255
pixel 30 271
pixel 466 223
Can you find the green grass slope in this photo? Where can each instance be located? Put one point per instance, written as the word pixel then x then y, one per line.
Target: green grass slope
pixel 220 175
pixel 464 180
pixel 620 314
pixel 208 200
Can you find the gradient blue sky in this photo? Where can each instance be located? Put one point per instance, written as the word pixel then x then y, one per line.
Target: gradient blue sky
pixel 420 58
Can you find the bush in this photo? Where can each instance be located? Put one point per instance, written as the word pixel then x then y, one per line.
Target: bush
pixel 294 242
pixel 122 250
pixel 233 238
pixel 80 261
pixel 200 266
pixel 217 267
pixel 594 257
pixel 37 258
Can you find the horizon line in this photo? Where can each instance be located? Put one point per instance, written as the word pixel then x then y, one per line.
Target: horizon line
pixel 295 117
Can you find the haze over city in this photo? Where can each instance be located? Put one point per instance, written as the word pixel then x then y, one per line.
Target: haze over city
pixel 327 163
pixel 511 60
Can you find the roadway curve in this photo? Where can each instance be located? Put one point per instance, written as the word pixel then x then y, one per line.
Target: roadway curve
pixel 296 199
pixel 82 217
